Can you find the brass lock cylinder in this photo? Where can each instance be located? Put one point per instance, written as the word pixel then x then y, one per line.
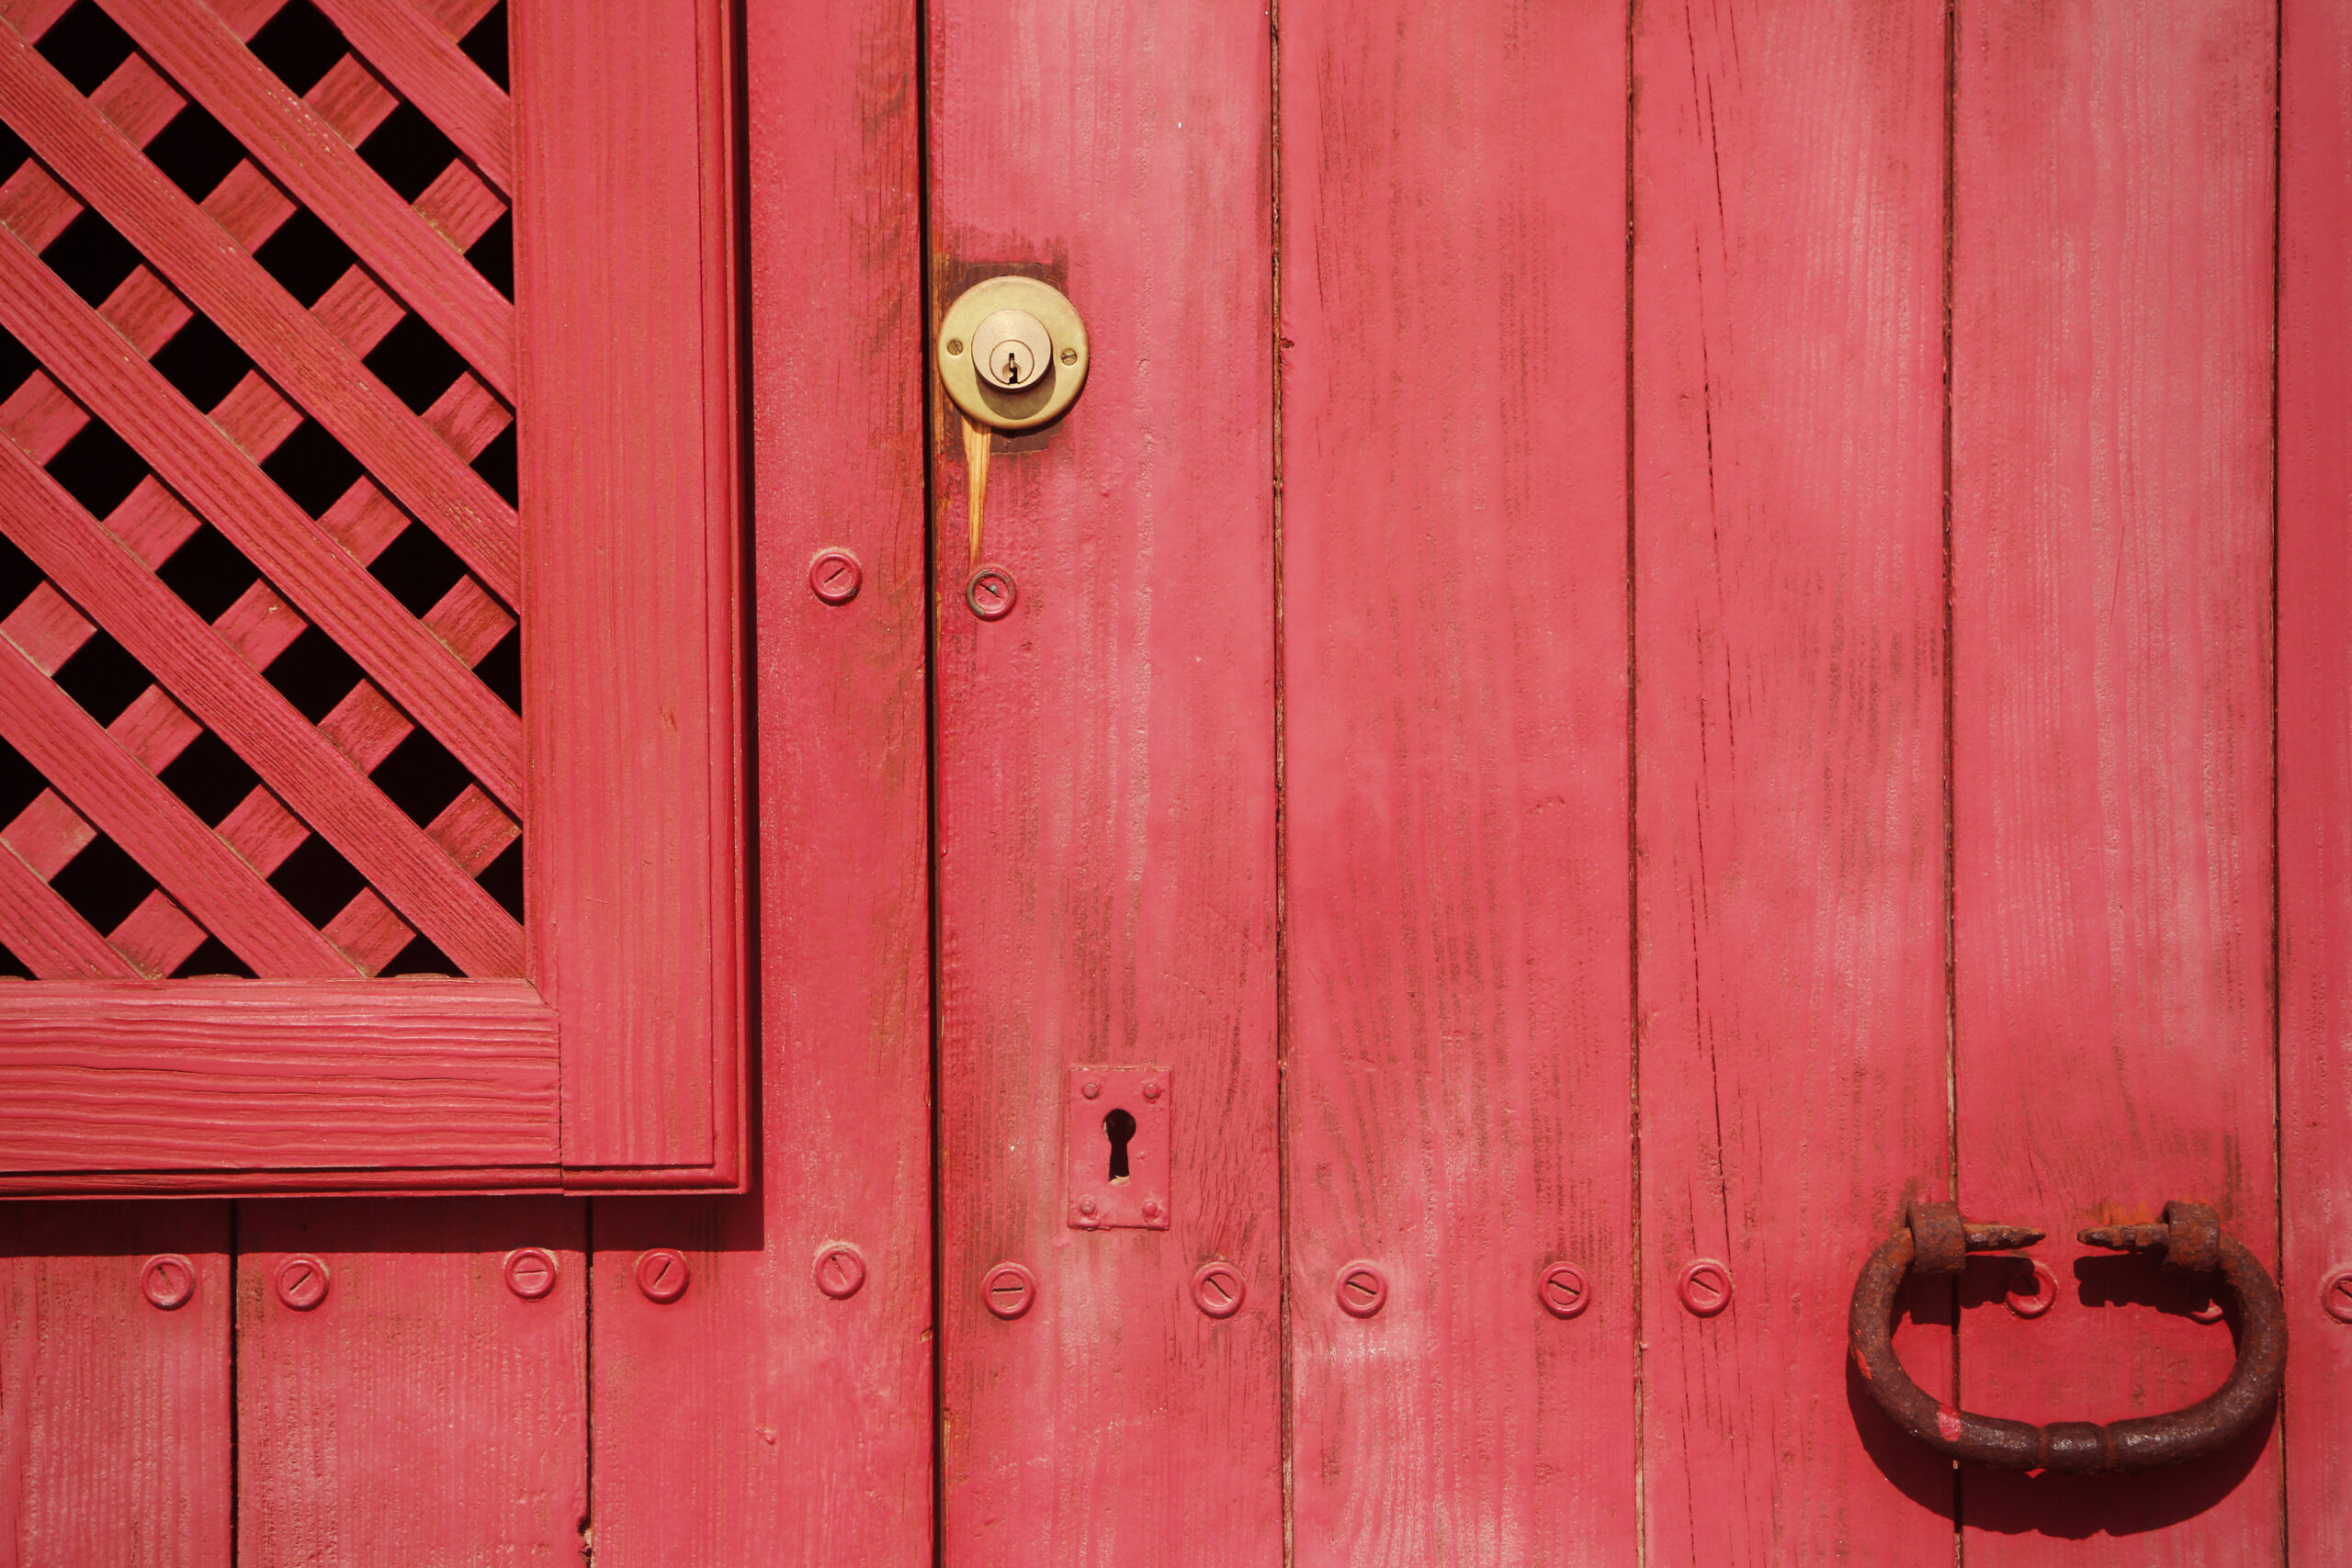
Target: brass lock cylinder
pixel 1012 353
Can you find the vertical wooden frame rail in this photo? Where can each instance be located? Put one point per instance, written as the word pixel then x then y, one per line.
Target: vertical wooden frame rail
pixel 1455 767
pixel 758 1418
pixel 598 1044
pixel 1788 747
pixel 2111 298
pixel 2315 769
pixel 1105 785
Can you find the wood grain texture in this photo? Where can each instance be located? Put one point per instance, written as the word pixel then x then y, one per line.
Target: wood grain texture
pixel 423 1413
pixel 1789 737
pixel 757 1420
pixel 303 152
pixel 228 1074
pixel 2315 764
pixel 1105 777
pixel 429 70
pixel 2110 564
pixel 296 349
pixel 635 853
pixel 1455 689
pixel 115 1429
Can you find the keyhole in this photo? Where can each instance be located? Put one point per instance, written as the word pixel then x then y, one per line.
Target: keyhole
pixel 1013 366
pixel 1119 1126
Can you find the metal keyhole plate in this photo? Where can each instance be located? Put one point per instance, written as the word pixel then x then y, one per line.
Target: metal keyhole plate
pixel 1012 353
pixel 1118 1154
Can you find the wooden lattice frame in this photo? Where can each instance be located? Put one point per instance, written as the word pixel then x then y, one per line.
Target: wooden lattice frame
pixel 597 1044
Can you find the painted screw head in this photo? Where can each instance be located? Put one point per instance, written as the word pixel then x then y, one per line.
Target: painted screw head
pixel 300 1281
pixel 1151 1088
pixel 2336 1295
pixel 1562 1290
pixel 2033 1289
pixel 1151 1208
pixel 1087 1205
pixel 1705 1287
pixel 168 1280
pixel 530 1272
pixel 1218 1289
pixel 841 1270
pixel 661 1274
pixel 1091 1089
pixel 1008 1290
pixel 835 577
pixel 991 593
pixel 1363 1289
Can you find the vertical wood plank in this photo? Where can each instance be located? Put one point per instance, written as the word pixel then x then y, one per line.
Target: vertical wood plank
pixel 625 234
pixel 423 1412
pixel 1105 769
pixel 2111 564
pixel 2315 763
pixel 1454 765
pixel 1788 221
pixel 754 1419
pixel 114 1414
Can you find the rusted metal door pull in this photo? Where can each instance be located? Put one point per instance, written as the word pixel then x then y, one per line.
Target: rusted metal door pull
pixel 1934 1240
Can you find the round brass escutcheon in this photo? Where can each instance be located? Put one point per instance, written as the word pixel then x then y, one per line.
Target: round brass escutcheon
pixel 1012 353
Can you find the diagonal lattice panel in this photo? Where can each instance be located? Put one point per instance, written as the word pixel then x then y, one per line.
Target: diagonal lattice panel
pixel 337 576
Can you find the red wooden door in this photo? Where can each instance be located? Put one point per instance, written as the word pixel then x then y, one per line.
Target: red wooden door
pixel 1653 635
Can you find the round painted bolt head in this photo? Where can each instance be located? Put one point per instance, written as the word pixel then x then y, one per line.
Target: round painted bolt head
pixel 1151 1089
pixel 1091 1089
pixel 1705 1287
pixel 2336 1295
pixel 661 1274
pixel 841 1270
pixel 2033 1289
pixel 1218 1289
pixel 1151 1208
pixel 1562 1290
pixel 1008 1290
pixel 1087 1205
pixel 991 593
pixel 1363 1289
pixel 300 1281
pixel 835 576
pixel 168 1280
pixel 530 1272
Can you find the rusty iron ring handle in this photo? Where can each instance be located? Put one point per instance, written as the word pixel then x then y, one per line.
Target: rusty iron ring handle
pixel 1934 1240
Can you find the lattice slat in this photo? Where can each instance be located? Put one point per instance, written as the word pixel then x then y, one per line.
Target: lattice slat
pixel 322 172
pixel 429 69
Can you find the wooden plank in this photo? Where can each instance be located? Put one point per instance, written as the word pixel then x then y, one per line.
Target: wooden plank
pixel 131 806
pixel 430 70
pixel 2111 288
pixel 424 1412
pixel 325 174
pixel 115 1429
pixel 234 701
pixel 182 1075
pixel 45 933
pixel 1105 772
pixel 2315 764
pixel 1455 764
pixel 706 1450
pixel 1789 749
pixel 633 663
pixel 197 459
pixel 294 348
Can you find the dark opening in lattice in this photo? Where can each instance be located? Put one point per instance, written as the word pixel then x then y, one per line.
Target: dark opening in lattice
pixel 503 879
pixel 494 255
pixel 91 258
pixel 486 44
pixel 299 44
pixel 312 468
pixel 408 150
pixel 317 881
pixel 16 363
pixel 210 778
pixel 209 572
pixel 202 362
pixel 85 45
pixel 305 256
pixel 421 777
pixel 496 464
pixel 502 670
pixel 13 152
pixel 103 885
pixel 421 957
pixel 418 568
pixel 195 153
pixel 416 363
pixel 314 674
pixel 103 677
pixel 21 783
pixel 97 468
pixel 18 577
pixel 213 957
